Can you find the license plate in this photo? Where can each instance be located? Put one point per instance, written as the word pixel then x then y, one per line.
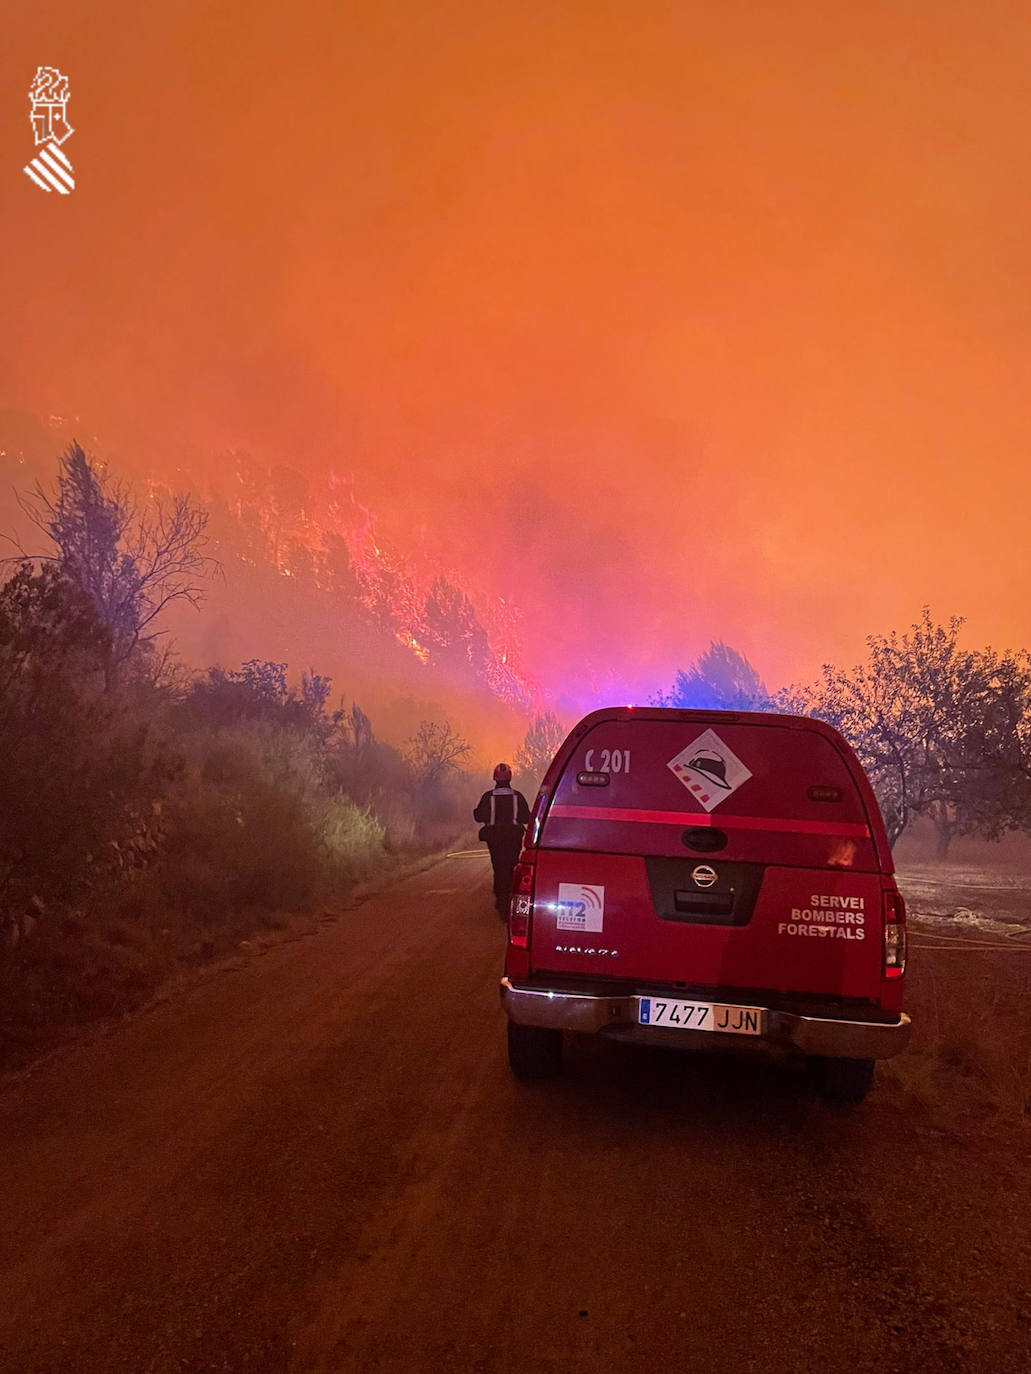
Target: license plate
pixel 703 1016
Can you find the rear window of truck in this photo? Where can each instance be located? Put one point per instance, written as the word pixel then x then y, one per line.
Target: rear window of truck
pixel 641 777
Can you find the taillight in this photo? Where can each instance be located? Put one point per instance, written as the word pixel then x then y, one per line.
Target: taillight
pixel 520 908
pixel 894 935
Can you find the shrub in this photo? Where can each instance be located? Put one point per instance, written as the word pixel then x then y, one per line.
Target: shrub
pixel 80 789
pixel 241 828
pixel 352 836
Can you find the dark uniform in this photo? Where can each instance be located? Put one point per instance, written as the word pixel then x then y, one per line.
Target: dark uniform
pixel 503 814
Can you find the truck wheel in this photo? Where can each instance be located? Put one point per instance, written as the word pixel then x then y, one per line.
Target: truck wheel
pixel 841 1080
pixel 534 1052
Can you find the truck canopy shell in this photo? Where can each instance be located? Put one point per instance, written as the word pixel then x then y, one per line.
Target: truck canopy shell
pixel 638 798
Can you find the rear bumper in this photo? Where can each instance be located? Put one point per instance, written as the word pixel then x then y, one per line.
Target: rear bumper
pixel 617 1017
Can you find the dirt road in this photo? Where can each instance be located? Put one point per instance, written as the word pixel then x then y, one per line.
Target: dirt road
pixel 317 1161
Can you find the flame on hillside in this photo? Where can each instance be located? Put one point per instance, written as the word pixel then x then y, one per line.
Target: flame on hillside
pixel 303 531
pixel 410 642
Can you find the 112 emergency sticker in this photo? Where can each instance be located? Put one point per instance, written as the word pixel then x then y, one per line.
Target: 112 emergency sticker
pixel 580 907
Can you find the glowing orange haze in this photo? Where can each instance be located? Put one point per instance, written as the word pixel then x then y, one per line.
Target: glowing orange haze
pixel 672 322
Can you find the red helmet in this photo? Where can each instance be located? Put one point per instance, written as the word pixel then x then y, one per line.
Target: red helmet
pixel 502 773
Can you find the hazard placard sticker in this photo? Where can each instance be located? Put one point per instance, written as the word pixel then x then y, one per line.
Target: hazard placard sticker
pixel 709 769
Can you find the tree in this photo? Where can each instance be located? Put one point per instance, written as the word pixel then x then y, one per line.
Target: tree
pixel 539 747
pixel 45 619
pixel 386 591
pixel 433 752
pixel 258 690
pixel 76 765
pixel 341 578
pixel 132 563
pixel 366 769
pixel 359 727
pixel 451 630
pixel 720 679
pixel 49 633
pixel 943 731
pixel 315 688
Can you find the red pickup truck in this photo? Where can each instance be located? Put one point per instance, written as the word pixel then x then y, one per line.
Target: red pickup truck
pixel 707 879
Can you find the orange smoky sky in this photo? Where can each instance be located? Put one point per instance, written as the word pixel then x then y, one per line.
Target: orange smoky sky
pixel 669 322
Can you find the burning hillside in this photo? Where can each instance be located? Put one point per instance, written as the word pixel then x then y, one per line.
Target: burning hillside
pixel 324 533
pixel 311 579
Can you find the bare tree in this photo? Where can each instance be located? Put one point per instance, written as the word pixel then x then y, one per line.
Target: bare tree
pixel 131 562
pixel 433 752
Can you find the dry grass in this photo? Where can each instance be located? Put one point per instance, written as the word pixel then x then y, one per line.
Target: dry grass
pixel 969 994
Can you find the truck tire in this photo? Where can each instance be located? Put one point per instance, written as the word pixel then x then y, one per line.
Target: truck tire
pixel 534 1052
pixel 846 1081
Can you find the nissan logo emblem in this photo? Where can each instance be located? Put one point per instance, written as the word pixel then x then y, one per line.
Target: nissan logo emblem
pixel 703 875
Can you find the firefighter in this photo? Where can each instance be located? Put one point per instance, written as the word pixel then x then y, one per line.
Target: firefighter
pixel 502 813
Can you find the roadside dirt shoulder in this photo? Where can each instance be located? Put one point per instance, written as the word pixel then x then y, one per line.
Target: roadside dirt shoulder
pixel 21 1057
